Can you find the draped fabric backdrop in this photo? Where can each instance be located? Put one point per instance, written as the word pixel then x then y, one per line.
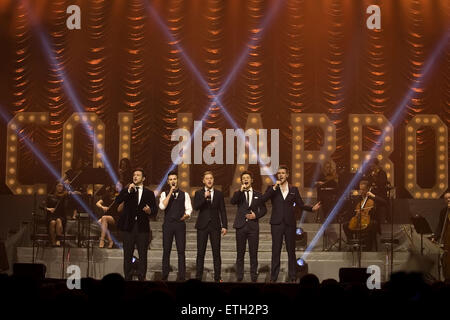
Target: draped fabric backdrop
pixel 311 57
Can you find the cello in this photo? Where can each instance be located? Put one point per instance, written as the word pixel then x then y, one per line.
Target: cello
pixel 361 219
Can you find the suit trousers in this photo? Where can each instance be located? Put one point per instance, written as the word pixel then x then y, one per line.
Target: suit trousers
pixel 171 230
pixel 131 240
pixel 202 240
pixel 250 233
pixel 280 231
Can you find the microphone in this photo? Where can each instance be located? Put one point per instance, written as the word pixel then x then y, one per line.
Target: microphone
pixel 133 189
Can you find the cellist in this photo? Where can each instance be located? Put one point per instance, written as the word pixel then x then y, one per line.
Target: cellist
pixel 370 201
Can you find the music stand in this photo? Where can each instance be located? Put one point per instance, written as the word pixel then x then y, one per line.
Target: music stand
pixel 91 176
pixel 422 227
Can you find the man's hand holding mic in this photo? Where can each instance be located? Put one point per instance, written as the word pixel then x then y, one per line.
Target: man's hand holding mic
pixel 276 185
pixel 244 186
pixel 172 189
pixel 131 188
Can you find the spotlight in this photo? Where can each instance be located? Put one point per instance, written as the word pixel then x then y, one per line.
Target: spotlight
pixel 301 238
pixel 134 266
pixel 301 268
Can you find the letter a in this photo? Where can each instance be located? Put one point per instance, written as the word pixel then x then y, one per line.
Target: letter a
pixel 74 20
pixel 374 20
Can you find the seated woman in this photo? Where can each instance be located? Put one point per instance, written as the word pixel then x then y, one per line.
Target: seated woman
pixel 56 217
pixel 108 215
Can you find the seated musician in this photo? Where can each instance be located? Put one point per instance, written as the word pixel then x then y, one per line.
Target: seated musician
pixel 78 164
pixel 369 233
pixel 55 206
pixel 108 215
pixel 327 189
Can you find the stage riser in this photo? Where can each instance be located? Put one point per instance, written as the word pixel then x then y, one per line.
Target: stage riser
pixel 324 264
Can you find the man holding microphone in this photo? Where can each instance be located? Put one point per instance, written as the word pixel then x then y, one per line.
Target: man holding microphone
pixel 177 208
pixel 285 198
pixel 249 210
pixel 139 204
pixel 211 222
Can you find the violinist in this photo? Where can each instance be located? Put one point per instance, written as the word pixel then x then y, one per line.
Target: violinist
pixel 327 188
pixel 54 206
pixel 78 165
pixel 366 203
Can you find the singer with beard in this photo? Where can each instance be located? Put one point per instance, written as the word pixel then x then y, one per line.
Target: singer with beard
pixel 139 205
pixel 211 222
pixel 285 199
pixel 177 208
pixel 249 210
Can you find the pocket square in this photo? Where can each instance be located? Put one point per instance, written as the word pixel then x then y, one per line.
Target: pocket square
pixel 256 197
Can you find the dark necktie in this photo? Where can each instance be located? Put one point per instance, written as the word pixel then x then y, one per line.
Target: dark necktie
pixel 247 197
pixel 209 198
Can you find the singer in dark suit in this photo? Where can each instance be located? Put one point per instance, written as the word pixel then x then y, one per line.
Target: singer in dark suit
pixel 211 221
pixel 285 199
pixel 139 205
pixel 177 208
pixel 249 210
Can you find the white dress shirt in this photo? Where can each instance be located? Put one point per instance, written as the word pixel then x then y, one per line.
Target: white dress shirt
pixel 285 192
pixel 140 190
pixel 187 203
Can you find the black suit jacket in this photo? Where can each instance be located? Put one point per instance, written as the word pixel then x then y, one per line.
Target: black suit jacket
pixel 283 210
pixel 214 212
pixel 133 212
pixel 257 206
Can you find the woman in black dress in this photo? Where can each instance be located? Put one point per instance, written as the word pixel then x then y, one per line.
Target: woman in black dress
pixel 108 215
pixel 56 217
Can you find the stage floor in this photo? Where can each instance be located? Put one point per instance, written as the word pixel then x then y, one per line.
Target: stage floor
pixel 325 264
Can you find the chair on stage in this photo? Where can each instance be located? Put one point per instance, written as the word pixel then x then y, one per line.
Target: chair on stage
pixel 40 238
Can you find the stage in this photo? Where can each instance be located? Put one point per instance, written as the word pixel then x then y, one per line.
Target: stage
pixel 323 259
